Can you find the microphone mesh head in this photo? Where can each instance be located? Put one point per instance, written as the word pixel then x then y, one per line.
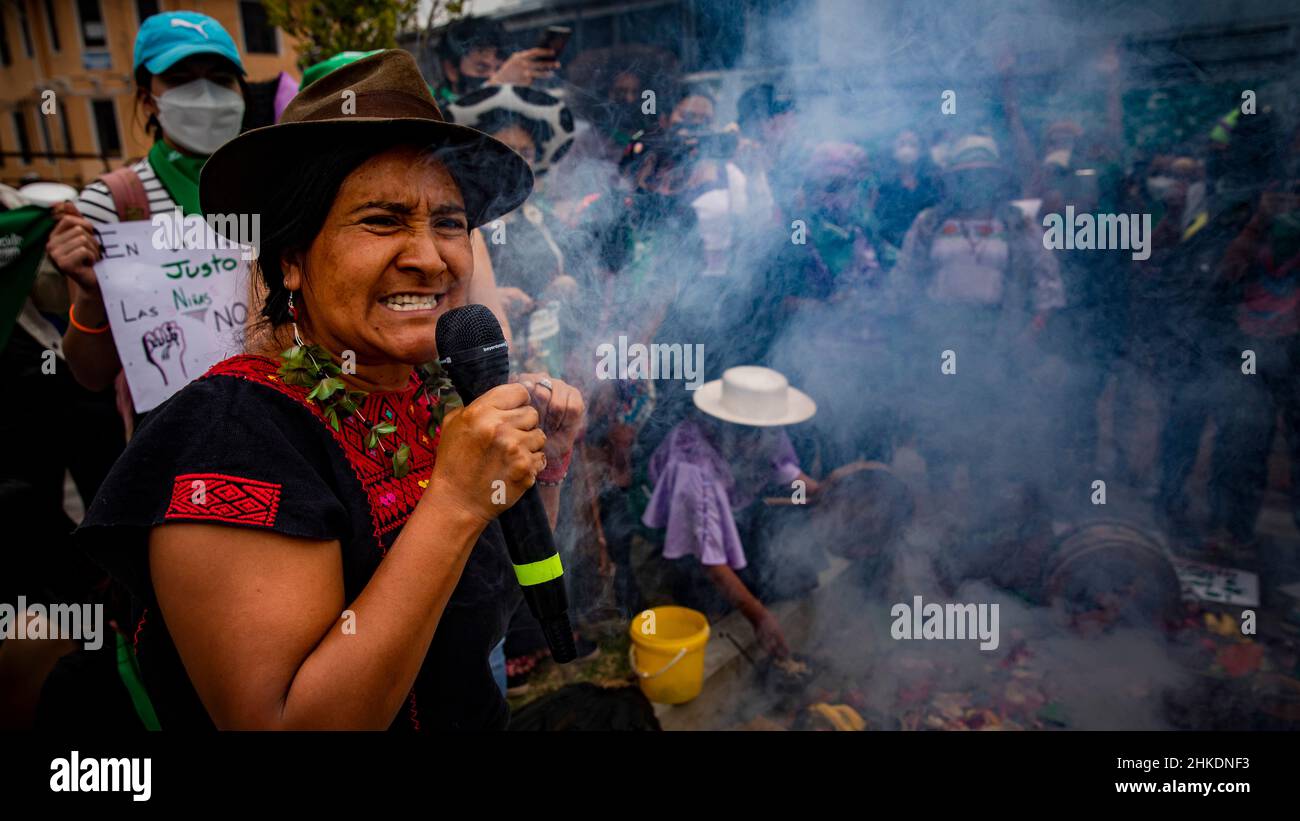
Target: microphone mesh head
pixel 467 327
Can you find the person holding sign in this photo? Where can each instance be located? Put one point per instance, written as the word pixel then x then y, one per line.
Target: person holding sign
pixel 310 534
pixel 190 86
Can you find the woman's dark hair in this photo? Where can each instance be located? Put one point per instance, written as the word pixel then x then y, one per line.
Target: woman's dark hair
pixel 144 82
pixel 469 33
pixel 293 216
pixel 499 119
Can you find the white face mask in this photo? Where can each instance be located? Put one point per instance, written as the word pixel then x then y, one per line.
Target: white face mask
pixel 201 116
pixel 1158 185
pixel 907 154
pixel 1059 158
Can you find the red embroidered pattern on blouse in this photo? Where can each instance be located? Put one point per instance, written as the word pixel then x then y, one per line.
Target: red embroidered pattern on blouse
pixel 135 640
pixel 222 498
pixel 391 499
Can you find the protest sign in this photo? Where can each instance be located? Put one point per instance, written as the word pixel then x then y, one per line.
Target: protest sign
pixel 177 302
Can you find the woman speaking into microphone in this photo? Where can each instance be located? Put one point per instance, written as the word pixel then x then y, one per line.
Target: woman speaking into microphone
pixel 310 540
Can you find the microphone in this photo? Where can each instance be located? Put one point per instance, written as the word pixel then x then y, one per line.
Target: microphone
pixel 476 356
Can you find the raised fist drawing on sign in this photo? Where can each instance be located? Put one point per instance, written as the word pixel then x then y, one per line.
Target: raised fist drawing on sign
pixel 164 347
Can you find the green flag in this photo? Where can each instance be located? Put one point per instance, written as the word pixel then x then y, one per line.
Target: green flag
pixel 23 232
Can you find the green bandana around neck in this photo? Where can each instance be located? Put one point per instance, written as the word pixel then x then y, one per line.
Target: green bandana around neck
pixel 179 175
pixel 834 244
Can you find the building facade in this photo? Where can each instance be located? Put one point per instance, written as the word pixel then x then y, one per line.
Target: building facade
pixel 66 85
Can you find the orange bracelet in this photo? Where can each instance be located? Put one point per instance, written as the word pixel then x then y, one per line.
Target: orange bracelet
pixel 72 319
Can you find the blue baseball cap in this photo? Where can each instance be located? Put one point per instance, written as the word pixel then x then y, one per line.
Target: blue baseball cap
pixel 166 39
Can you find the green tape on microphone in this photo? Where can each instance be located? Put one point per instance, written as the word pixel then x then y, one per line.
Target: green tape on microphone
pixel 539 572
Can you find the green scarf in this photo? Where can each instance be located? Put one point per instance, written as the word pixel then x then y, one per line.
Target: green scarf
pixel 179 175
pixel 23 232
pixel 834 245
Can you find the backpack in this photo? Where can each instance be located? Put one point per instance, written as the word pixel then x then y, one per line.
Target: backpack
pixel 129 197
pixel 906 286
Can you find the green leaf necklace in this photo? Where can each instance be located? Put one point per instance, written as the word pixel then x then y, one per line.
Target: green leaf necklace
pixel 311 366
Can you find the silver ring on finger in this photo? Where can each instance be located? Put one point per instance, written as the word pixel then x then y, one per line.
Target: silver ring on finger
pixel 546 383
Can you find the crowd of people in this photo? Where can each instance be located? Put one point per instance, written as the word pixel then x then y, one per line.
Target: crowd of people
pixel 854 298
pixel 862 268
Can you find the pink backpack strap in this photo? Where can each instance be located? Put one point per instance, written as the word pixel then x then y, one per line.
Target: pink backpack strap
pixel 129 196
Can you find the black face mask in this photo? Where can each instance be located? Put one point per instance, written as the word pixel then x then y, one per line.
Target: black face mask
pixel 466 84
pixel 975 189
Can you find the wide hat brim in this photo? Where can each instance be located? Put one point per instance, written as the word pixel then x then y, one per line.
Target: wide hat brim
pixel 800 407
pixel 493 179
pixel 393 107
pixel 976 165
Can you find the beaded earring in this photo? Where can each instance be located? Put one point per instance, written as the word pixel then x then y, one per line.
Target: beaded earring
pixel 293 320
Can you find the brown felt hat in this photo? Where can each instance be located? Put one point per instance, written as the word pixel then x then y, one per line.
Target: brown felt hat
pixel 390 104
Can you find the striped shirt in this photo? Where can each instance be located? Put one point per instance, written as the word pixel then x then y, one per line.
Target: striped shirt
pixel 96 203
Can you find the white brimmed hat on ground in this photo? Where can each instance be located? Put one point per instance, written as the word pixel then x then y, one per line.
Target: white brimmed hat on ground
pixel 753 395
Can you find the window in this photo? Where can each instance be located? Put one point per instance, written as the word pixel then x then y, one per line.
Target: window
pixel 47 139
pixel 776 25
pixel 52 25
pixel 25 27
pixel 658 26
pixel 92 24
pixel 105 115
pixel 719 34
pixel 593 32
pixel 20 133
pixel 145 8
pixel 5 57
pixel 67 130
pixel 259 34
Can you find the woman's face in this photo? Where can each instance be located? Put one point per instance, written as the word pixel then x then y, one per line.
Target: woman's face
pixel 694 111
pixel 842 200
pixel 625 89
pixel 518 138
pixel 393 255
pixel 199 67
pixel 976 190
pixel 907 148
pixel 481 62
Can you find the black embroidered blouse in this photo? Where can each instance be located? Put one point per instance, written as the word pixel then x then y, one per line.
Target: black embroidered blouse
pixel 265 457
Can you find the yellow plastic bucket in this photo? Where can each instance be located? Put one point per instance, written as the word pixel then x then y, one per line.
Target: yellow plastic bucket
pixel 667 653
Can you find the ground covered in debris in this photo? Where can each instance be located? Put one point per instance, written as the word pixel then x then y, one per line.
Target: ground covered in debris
pixel 1105 665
